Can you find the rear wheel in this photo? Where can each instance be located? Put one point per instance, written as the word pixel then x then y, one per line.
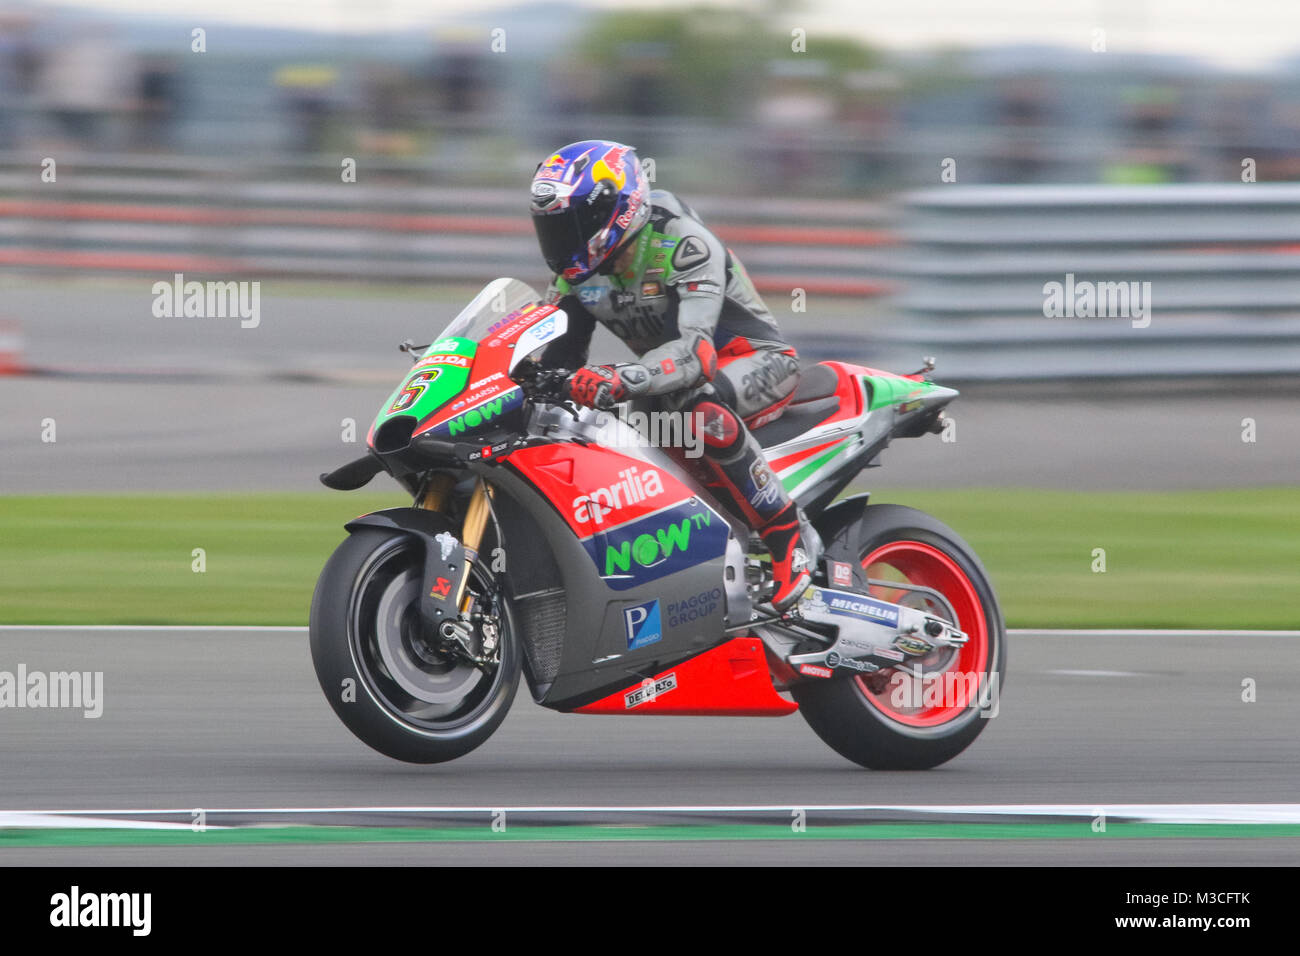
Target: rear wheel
pixel 929 709
pixel 392 680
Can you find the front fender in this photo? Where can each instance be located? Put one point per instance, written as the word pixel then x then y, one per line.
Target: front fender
pixel 444 556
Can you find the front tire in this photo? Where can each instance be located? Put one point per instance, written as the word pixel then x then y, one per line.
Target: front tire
pixel 385 679
pixel 917 718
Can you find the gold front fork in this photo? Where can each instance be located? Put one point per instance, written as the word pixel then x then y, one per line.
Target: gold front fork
pixel 471 536
pixel 476 516
pixel 437 497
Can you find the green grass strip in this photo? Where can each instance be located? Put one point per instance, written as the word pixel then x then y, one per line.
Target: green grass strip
pixel 1226 559
pixel 57 837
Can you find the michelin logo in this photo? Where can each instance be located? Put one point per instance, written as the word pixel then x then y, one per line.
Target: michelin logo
pixel 864 609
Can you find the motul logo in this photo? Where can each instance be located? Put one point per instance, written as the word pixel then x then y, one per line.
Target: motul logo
pixel 632 487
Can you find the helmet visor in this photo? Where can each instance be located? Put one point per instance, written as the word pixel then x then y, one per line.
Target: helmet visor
pixel 564 236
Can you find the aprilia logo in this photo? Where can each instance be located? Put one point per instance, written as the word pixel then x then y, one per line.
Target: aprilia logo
pixel 631 488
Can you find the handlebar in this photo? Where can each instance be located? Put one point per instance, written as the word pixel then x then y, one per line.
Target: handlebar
pixel 550 385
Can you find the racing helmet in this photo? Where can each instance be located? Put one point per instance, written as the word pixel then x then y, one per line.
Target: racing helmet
pixel 586 199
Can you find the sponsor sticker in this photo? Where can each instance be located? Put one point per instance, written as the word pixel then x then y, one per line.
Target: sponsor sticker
pixel 459 361
pixel 863 608
pixel 690 251
pixel 641 625
pixel 812 670
pixel 694 608
pixel 650 690
pixel 649 548
pixel 633 486
pixel 833 659
pixel 841 574
pixel 446 544
pixel 913 645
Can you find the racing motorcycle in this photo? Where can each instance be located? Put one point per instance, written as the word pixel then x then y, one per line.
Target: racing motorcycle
pixel 562 544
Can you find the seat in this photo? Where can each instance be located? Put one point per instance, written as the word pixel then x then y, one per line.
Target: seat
pixel 815 399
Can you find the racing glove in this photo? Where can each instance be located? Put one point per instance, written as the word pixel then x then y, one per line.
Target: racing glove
pixel 600 386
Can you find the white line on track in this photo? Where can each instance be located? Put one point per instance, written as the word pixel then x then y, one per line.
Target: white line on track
pixel 46 820
pixel 1193 813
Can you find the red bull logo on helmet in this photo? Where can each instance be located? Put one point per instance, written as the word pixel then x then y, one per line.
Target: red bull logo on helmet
pixel 610 166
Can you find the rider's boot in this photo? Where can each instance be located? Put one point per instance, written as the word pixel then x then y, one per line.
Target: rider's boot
pixel 756 494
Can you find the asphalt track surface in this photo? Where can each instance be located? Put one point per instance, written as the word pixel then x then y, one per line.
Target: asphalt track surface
pixel 253 435
pixel 147 404
pixel 224 719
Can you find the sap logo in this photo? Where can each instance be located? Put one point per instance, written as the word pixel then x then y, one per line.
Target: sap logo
pixel 628 490
pixel 641 625
pixel 476 416
pixel 544 330
pixel 590 296
pixel 648 550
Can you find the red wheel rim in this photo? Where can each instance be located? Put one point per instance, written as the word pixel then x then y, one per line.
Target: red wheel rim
pixel 942 695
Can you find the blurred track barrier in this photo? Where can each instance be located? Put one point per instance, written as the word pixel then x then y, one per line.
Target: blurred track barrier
pixel 172 214
pixel 958 272
pixel 1007 282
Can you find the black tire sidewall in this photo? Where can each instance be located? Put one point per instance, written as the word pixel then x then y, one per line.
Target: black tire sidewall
pixel 838 710
pixel 332 652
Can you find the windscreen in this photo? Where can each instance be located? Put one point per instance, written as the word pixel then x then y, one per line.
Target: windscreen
pixel 498 299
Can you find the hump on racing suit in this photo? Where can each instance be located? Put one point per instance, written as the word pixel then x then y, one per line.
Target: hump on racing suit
pixel 685 304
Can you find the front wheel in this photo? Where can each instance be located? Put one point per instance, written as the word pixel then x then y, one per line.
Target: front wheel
pixel 394 684
pixel 928 710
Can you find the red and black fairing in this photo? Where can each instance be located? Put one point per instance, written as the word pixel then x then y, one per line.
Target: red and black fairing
pixel 622 560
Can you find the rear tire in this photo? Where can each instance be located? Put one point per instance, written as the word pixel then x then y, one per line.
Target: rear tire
pixel 878 729
pixel 386 683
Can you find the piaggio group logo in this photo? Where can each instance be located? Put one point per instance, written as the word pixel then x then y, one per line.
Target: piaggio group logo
pixel 641 625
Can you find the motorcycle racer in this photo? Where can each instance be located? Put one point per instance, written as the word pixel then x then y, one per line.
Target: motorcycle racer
pixel 641 263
